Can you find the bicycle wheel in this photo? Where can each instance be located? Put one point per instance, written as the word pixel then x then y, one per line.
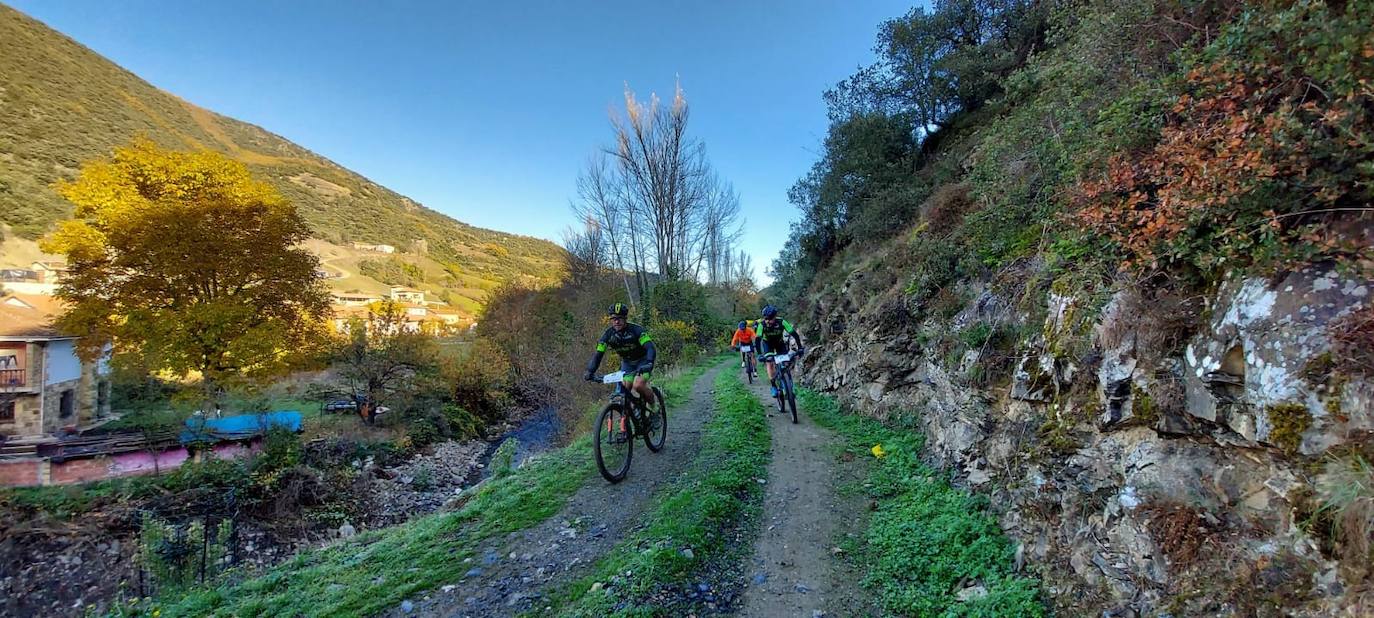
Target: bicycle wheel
pixel 614 443
pixel 749 371
pixel 657 431
pixel 791 394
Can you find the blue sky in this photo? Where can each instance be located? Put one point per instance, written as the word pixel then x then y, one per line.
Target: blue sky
pixel 486 111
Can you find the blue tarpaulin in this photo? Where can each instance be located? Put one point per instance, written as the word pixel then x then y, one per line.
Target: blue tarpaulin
pixel 243 427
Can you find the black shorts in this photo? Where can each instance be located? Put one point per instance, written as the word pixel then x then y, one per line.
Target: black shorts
pixel 631 368
pixel 768 351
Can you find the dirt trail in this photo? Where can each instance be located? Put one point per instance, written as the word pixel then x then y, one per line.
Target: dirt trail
pixel 796 569
pixel 514 574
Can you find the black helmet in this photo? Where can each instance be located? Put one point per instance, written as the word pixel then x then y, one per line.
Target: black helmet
pixel 770 311
pixel 618 309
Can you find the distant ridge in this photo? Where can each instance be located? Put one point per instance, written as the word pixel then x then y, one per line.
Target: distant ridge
pixel 62 104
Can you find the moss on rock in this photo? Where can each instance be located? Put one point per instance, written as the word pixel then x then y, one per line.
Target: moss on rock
pixel 1287 422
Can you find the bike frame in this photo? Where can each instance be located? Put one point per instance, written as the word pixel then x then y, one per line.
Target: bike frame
pixel 624 393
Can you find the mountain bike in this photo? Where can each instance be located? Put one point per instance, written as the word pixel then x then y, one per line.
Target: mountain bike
pixel 751 369
pixel 623 419
pixel 787 394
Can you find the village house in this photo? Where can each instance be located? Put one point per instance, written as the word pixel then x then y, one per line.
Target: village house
pixel 409 295
pixel 447 316
pixel 49 272
pixel 353 299
pixel 415 318
pixel 44 386
pixel 41 279
pixel 374 248
pixel 17 274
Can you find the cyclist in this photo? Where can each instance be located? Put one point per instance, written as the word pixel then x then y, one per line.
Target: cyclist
pixel 744 336
pixel 772 339
pixel 631 342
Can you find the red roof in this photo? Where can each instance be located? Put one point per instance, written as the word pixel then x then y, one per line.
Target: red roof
pixel 18 321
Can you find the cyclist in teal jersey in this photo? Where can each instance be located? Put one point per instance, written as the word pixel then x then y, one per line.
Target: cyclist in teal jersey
pixel 772 338
pixel 632 343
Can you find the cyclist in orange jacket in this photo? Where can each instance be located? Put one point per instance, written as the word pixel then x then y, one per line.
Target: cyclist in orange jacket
pixel 744 338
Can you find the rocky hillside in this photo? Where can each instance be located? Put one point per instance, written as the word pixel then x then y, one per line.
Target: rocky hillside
pixel 62 104
pixel 1128 293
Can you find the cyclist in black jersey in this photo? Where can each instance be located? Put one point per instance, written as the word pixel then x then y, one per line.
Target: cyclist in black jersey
pixel 772 336
pixel 631 342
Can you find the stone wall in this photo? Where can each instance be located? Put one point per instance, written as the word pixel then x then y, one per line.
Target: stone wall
pixel 52 405
pixel 27 420
pixel 1142 476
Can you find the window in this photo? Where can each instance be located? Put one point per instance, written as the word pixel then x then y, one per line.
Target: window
pixel 7 411
pixel 68 405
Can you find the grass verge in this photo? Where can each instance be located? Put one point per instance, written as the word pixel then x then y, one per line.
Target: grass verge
pixel 926 541
pixel 695 515
pixel 381 568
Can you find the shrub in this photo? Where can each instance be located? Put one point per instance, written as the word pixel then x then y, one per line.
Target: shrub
pixel 423 479
pixel 393 271
pixel 1265 151
pixel 478 378
pixel 281 450
pixel 180 557
pixel 503 460
pixel 671 339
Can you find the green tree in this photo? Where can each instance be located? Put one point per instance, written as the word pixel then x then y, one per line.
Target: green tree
pixel 379 357
pixel 184 263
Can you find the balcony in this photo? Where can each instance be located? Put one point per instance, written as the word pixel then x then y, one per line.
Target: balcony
pixel 12 378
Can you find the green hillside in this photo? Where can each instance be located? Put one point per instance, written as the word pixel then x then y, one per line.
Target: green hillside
pixel 62 104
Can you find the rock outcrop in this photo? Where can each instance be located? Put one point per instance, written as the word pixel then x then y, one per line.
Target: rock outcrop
pixel 1152 456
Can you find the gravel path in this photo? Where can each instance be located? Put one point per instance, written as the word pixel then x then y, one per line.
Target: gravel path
pixel 514 574
pixel 797 568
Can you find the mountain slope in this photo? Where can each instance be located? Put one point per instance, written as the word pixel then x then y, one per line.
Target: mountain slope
pixel 62 104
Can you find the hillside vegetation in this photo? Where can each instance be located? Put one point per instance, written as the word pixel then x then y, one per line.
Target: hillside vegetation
pixel 62 104
pixel 1103 253
pixel 1170 140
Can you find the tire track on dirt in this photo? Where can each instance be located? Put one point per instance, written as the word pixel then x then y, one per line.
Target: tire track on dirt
pixel 796 569
pixel 515 574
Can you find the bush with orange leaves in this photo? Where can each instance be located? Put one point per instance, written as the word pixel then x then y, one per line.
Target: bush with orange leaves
pixel 1267 157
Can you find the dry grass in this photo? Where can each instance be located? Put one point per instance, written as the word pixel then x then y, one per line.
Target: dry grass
pixel 1160 321
pixel 1352 343
pixel 946 208
pixel 1179 530
pixel 1346 491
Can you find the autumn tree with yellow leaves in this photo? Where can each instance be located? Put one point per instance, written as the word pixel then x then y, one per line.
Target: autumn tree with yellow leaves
pixel 183 263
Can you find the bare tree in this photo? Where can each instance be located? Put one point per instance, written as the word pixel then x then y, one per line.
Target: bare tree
pixel 588 253
pixel 657 200
pixel 721 229
pixel 744 269
pixel 602 201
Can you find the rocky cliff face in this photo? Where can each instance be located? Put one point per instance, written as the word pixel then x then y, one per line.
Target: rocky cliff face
pixel 1153 455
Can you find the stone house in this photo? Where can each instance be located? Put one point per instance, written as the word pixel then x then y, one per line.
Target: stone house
pixel 44 386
